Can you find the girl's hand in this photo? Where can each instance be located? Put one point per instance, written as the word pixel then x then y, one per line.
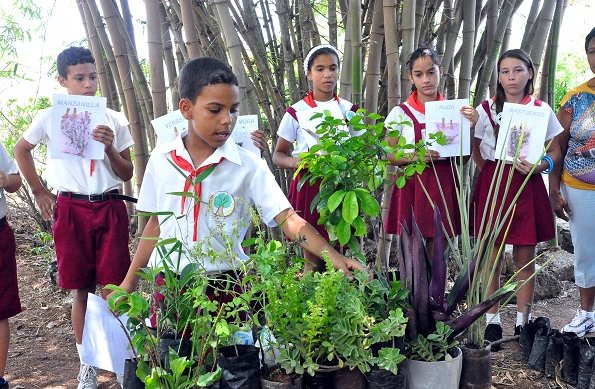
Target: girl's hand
pixel 431 155
pixel 471 114
pixel 524 167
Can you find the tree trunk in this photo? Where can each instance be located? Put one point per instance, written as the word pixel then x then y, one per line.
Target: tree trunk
pixel 189 25
pixel 542 28
pixel 467 48
pixel 529 31
pixel 392 53
pixel 155 47
pixel 356 51
pixel 408 42
pixel 374 58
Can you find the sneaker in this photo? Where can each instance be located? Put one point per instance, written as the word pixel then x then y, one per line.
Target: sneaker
pixel 3 383
pixel 580 325
pixel 120 379
pixel 492 333
pixel 518 330
pixel 87 377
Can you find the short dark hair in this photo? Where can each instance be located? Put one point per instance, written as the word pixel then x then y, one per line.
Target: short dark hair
pixel 200 72
pixel 73 56
pixel 588 39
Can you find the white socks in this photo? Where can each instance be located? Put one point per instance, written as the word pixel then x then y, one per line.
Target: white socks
pixel 519 318
pixel 590 315
pixel 493 318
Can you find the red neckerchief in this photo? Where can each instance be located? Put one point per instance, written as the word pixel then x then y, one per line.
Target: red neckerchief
pixel 417 105
pixel 309 99
pixel 195 177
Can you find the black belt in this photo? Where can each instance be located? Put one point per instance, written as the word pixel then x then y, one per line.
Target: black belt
pixel 93 198
pixel 3 222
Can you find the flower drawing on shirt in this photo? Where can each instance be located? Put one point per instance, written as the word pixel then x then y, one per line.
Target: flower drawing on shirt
pixel 222 204
pixel 76 132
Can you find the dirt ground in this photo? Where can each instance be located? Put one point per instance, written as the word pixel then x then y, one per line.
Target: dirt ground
pixel 43 354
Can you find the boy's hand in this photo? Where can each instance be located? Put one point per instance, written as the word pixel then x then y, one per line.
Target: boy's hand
pixel 103 134
pixel 259 139
pixel 46 202
pixel 346 265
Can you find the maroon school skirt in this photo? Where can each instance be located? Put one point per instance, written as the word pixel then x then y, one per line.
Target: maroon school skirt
pixel 411 201
pixel 301 200
pixel 10 304
pixel 532 220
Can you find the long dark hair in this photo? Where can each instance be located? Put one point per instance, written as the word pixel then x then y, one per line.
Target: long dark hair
pixel 526 59
pixel 420 52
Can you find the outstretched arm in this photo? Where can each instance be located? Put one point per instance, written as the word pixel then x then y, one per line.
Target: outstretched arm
pixel 299 230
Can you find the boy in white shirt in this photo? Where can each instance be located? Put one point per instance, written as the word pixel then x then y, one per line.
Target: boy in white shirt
pixel 90 219
pixel 236 180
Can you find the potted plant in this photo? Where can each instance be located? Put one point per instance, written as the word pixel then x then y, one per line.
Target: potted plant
pixel 188 329
pixel 352 171
pixel 434 317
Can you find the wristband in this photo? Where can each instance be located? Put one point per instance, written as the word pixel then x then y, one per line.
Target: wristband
pixel 550 163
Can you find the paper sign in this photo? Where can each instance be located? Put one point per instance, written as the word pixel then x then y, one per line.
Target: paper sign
pixel 73 120
pixel 309 125
pixel 241 132
pixel 105 344
pixel 445 116
pixel 169 126
pixel 522 127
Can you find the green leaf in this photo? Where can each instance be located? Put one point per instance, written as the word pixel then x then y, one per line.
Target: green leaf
pixel 350 207
pixel 368 203
pixel 204 174
pixel 360 226
pixel 335 200
pixel 343 232
pixel 401 181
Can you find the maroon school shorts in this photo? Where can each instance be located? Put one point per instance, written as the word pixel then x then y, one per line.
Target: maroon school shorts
pixel 91 240
pixel 10 304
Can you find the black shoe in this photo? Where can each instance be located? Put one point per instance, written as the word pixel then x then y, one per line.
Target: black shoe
pixel 492 333
pixel 3 383
pixel 517 330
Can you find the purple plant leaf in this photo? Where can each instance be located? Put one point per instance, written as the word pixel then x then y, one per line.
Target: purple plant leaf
pixel 438 278
pixel 420 283
pixel 460 287
pixel 465 320
pixel 405 262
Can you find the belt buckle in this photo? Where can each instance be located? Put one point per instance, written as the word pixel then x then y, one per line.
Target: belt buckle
pixel 93 198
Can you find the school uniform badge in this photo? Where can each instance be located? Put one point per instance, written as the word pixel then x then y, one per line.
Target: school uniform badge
pixel 221 204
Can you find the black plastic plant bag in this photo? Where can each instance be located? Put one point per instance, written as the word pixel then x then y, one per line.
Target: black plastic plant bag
pixel 182 347
pixel 585 365
pixel 129 379
pixel 539 348
pixel 528 335
pixel 554 353
pixel 241 367
pixel 570 358
pixel 319 380
pixel 384 379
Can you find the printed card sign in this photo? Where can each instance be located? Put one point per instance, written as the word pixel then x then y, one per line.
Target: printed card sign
pixel 241 132
pixel 73 120
pixel 169 126
pixel 309 125
pixel 445 116
pixel 522 128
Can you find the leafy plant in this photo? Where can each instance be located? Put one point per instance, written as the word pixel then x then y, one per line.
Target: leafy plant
pixel 351 170
pixel 434 347
pixel 321 319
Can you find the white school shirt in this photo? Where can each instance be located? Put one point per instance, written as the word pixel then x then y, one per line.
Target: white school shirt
pixel 289 128
pixel 73 175
pixel 241 178
pixel 397 115
pixel 7 166
pixel 485 131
